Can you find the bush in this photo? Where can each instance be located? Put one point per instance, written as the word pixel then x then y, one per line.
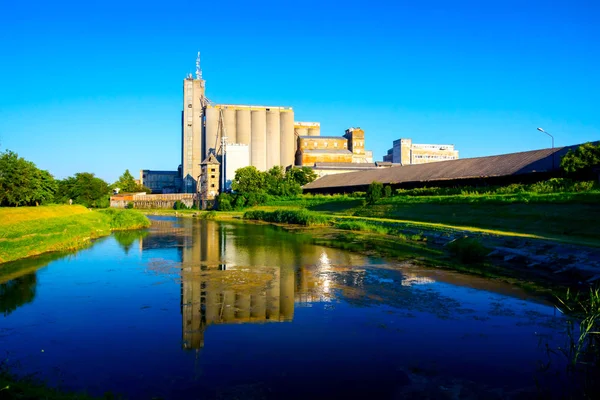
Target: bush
pixel 387 191
pixel 178 205
pixel 468 250
pixel 130 205
pixel 295 217
pixel 374 192
pixel 224 202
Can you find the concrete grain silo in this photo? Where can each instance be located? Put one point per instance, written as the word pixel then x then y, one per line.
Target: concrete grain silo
pixel 301 130
pixel 230 124
pixel 273 137
pixel 258 140
pixel 243 126
pixel 287 138
pixel 314 131
pixel 211 130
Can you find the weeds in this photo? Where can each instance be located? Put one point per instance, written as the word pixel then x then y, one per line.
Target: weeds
pixel 468 250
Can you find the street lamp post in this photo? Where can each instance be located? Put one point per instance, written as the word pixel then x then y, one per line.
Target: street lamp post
pixel 552 137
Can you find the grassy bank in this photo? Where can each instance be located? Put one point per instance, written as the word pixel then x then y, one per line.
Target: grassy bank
pixel 561 216
pixel 29 231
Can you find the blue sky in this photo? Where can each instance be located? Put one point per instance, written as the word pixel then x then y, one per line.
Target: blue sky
pixel 96 86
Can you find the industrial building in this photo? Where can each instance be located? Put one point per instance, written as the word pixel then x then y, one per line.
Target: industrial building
pixel 349 148
pixel 405 152
pixel 503 169
pixel 266 131
pixel 250 135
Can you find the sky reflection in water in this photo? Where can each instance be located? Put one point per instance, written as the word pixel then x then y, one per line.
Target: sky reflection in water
pixel 202 309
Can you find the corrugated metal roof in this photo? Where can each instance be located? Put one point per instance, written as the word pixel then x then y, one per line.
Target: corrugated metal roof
pixel 491 166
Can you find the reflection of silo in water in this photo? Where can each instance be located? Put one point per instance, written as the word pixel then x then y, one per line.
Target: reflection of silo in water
pixel 230 125
pixel 228 305
pixel 287 140
pixel 286 299
pixel 274 295
pixel 258 308
pixel 242 305
pixel 243 126
pixel 258 141
pixel 210 243
pixel 211 130
pixel 273 138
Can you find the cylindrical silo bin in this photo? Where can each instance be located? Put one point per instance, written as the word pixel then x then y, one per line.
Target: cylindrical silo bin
pixel 287 138
pixel 211 131
pixel 302 131
pixel 273 138
pixel 258 141
pixel 243 126
pixel 314 131
pixel 230 125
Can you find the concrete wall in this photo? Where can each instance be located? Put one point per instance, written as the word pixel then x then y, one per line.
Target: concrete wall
pixel 258 141
pixel 288 139
pixel 191 131
pixel 243 126
pixel 273 138
pixel 230 132
pixel 153 200
pixel 211 130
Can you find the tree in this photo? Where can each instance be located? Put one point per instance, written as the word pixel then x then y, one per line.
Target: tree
pixel 248 180
pixel 582 159
pixel 374 192
pixel 302 176
pixel 22 183
pixel 84 188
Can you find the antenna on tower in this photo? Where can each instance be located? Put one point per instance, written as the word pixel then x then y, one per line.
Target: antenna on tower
pixel 198 70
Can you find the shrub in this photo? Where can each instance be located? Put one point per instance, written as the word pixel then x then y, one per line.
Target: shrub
pixel 130 205
pixel 296 217
pixel 468 250
pixel 374 192
pixel 178 205
pixel 387 191
pixel 224 202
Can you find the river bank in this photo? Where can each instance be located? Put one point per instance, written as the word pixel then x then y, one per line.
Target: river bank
pixel 546 255
pixel 31 231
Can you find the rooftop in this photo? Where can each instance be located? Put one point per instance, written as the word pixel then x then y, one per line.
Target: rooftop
pixel 479 167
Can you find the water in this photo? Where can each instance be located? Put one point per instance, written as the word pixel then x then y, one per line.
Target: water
pixel 203 309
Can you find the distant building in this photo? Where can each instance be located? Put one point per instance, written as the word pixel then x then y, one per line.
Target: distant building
pixel 341 150
pixel 405 152
pixel 161 181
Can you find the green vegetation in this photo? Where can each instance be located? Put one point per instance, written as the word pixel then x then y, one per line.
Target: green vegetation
pixel 84 188
pixel 556 209
pixel 582 159
pixel 468 250
pixel 374 193
pixel 29 231
pixel 296 217
pixel 252 187
pixel 126 183
pixel 22 183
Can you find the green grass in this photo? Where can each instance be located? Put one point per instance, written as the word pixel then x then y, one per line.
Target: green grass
pixel 561 216
pixel 30 231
